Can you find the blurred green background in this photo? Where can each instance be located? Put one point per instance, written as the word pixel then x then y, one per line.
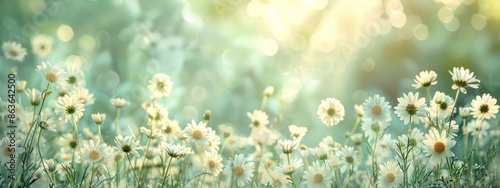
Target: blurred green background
pixel 222 54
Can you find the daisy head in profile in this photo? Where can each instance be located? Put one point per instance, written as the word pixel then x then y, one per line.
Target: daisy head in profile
pixel 438 146
pixel 425 79
pixel 331 112
pixel 14 50
pixel 463 78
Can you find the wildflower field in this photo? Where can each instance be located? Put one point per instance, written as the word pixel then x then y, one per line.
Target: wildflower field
pixel 249 93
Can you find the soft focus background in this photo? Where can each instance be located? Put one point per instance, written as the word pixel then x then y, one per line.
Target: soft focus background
pixel 222 54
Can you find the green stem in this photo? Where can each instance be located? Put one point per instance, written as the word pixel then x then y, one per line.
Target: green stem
pixel 263 104
pixel 92 174
pixel 166 171
pixel 41 158
pixel 116 120
pixel 132 169
pixel 100 135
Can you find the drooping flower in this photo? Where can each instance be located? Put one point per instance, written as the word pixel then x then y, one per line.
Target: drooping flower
pixel 317 176
pixel 463 78
pixel 53 74
pixel 14 50
pixel 410 108
pixel 484 107
pixel 390 175
pixel 68 108
pixel 438 146
pixel 331 111
pixel 176 150
pixel 160 85
pixel 425 79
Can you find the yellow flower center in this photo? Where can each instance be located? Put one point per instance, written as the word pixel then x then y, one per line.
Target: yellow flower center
pixel 302 147
pixel 439 147
pixel 318 178
pixel 94 155
pixel 13 53
pixel 377 110
pixel 390 177
pixel 51 76
pixel 238 171
pixel 211 164
pixel 197 134
pixel 7 152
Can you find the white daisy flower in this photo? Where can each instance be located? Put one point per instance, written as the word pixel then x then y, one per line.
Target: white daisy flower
pixel 258 119
pixel 42 45
pixel 464 112
pixel 484 107
pixel 95 153
pixel 438 146
pixel 274 179
pixel 150 134
pixel 8 150
pixel 385 146
pixel 171 130
pixel 76 78
pixel 331 111
pixel 478 128
pixel 330 143
pixel 21 86
pixel 377 108
pixel 240 170
pixel 160 85
pixel 69 108
pixel 213 164
pixel 359 110
pixel 317 176
pixel 127 145
pixel 157 113
pixel 98 118
pixel 83 95
pixel 196 133
pixel 357 138
pixel 372 128
pixel 226 130
pixel 287 146
pixel 118 102
pixel 14 50
pixel 390 175
pixel 53 74
pixel 50 165
pixel 289 169
pixel 410 108
pixel 46 123
pixel 463 78
pixel 349 158
pixel 68 140
pixel 176 150
pixel 213 141
pixel 425 79
pixel 296 132
pixel 414 139
pixel 264 136
pixel 442 104
pixel 34 96
pixel 322 151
